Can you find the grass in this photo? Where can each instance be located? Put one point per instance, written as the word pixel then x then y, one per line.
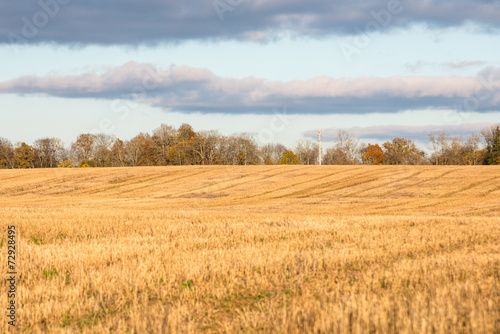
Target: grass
pixel 164 252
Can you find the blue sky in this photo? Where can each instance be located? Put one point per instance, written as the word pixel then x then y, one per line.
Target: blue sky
pixel 278 70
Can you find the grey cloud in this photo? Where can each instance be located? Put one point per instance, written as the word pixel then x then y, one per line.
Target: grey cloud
pixel 463 64
pixel 386 132
pixel 154 21
pixel 188 89
pixel 415 67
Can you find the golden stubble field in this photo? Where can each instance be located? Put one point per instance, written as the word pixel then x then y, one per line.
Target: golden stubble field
pixel 282 249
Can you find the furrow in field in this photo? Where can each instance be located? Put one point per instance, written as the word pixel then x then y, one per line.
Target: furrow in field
pixel 418 185
pixel 360 179
pixel 469 187
pixel 294 185
pixel 128 183
pixel 257 178
pixel 320 185
pixel 146 189
pixel 382 185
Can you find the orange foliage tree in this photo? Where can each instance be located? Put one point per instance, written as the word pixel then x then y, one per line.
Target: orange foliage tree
pixel 373 155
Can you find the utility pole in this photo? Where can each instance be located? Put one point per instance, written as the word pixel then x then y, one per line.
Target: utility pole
pixel 319 136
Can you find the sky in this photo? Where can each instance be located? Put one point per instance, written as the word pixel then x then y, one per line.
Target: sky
pixel 278 70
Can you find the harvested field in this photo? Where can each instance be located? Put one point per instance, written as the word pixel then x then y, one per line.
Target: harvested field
pixel 285 249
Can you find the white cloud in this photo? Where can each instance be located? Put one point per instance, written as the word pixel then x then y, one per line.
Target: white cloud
pixel 188 89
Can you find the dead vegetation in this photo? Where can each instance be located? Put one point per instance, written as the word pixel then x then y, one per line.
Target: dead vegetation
pixel 280 249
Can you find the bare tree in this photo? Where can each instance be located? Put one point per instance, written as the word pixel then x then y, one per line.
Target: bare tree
pixel 489 135
pixel 241 149
pixel 206 146
pixel 439 142
pixel 455 150
pixel 345 151
pixel 164 138
pixel 6 154
pixel 48 152
pixel 271 154
pixel 473 150
pixel 102 149
pixel 308 151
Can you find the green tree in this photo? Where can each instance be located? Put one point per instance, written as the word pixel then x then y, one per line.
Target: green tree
pixel 290 158
pixel 493 148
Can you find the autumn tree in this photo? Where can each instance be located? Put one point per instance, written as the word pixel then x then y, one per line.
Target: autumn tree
pixel 118 154
pixel 456 150
pixel 181 152
pixel 229 150
pixel 24 155
pixel 6 154
pixel 290 158
pixel 185 133
pixel 401 151
pixel 373 155
pixel 140 150
pixel 84 149
pixel 474 155
pixel 67 162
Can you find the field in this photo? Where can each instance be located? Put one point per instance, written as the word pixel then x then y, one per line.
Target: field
pixel 284 249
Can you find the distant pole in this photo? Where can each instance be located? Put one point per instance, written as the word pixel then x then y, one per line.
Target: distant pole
pixel 319 136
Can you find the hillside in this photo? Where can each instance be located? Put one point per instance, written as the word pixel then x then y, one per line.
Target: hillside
pixel 351 190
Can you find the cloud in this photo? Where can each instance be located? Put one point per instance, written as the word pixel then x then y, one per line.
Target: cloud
pixel 464 64
pixel 188 89
pixel 448 65
pixel 386 132
pixel 148 22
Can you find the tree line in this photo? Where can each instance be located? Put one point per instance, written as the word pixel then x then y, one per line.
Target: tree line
pixel 167 145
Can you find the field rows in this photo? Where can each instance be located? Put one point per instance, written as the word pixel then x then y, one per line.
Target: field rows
pixel 380 190
pixel 281 249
